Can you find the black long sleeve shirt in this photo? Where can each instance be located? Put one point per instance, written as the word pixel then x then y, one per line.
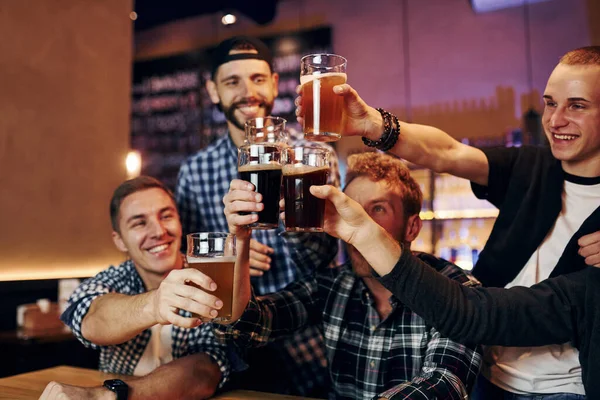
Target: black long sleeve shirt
pixel 555 311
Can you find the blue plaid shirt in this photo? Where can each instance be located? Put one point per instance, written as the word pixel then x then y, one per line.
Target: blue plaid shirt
pixel 123 358
pixel 400 357
pixel 202 183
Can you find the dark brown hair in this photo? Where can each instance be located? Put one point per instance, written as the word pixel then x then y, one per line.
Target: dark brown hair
pixel 129 187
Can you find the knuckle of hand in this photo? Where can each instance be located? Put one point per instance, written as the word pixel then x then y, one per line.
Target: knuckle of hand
pixel 186 304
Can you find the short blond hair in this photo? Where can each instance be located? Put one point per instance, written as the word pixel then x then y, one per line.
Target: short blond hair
pixel 382 167
pixel 589 55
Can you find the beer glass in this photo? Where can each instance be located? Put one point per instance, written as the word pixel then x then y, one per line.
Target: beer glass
pixel 259 162
pixel 304 167
pixel 265 130
pixel 213 254
pixel 323 109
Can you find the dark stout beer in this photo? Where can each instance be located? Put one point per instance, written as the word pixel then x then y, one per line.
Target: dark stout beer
pixel 303 211
pixel 266 178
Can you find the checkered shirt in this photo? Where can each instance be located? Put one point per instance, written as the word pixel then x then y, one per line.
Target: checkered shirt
pixel 401 357
pixel 123 358
pixel 202 183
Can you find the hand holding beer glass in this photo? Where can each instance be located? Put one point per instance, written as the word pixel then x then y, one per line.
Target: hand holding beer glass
pixel 259 162
pixel 214 255
pixel 304 167
pixel 323 110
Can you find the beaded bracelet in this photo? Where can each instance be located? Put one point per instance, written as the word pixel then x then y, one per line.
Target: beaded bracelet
pixel 391 131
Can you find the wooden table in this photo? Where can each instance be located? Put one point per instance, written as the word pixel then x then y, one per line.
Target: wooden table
pixel 30 386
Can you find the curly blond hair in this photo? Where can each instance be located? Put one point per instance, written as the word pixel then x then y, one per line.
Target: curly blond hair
pixel 382 167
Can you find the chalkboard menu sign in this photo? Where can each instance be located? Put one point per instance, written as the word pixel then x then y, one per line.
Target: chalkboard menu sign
pixel 172 116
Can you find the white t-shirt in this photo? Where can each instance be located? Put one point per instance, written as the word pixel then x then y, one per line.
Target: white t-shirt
pixel 555 368
pixel 158 351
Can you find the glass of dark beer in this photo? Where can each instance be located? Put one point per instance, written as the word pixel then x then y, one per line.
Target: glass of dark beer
pixel 323 109
pixel 259 162
pixel 213 254
pixel 304 167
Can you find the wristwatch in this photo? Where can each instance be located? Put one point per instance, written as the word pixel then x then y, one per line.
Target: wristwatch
pixel 119 387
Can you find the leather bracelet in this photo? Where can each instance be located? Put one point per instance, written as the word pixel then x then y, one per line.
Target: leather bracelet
pixel 391 131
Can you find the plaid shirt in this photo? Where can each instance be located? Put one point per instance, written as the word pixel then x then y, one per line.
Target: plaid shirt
pixel 202 183
pixel 123 358
pixel 401 357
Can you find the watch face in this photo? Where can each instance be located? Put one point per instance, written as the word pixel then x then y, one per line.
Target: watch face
pixel 117 386
pixel 115 383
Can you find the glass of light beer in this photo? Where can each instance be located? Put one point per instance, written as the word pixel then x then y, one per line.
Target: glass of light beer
pixel 259 162
pixel 213 254
pixel 323 109
pixel 304 167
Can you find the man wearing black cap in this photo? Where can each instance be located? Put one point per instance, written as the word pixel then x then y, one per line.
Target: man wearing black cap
pixel 244 86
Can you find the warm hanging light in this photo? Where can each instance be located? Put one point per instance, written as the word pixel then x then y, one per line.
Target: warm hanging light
pixel 228 19
pixel 133 163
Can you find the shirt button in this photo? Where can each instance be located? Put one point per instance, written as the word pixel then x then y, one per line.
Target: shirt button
pixel 373 327
pixel 372 364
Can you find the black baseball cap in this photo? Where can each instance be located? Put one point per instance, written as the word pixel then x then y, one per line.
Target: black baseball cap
pixel 221 55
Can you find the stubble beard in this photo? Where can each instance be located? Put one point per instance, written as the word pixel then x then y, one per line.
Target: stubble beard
pixel 230 111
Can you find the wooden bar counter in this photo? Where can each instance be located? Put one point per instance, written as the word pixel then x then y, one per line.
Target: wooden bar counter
pixel 30 386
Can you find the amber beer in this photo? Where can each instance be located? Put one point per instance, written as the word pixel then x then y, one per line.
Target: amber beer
pixel 266 178
pixel 323 109
pixel 220 270
pixel 214 253
pixel 303 211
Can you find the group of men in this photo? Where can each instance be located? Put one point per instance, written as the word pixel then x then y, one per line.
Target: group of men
pixel 365 329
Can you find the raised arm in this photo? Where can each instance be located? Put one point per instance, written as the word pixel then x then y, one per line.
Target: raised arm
pixel 268 317
pixel 546 313
pixel 423 145
pixel 100 315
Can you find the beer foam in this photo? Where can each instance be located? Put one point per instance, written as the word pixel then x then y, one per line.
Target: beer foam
pixel 301 169
pixel 204 260
pixel 271 166
pixel 308 78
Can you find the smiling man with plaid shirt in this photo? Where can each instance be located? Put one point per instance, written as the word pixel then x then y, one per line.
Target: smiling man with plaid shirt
pixel 138 314
pixel 376 346
pixel 244 86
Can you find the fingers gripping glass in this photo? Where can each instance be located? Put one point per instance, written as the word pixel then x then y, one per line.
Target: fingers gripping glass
pixel 214 254
pixel 259 162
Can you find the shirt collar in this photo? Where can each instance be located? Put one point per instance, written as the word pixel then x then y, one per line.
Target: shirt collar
pixel 362 290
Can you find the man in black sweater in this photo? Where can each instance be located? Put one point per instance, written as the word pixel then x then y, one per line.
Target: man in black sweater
pixel 548 207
